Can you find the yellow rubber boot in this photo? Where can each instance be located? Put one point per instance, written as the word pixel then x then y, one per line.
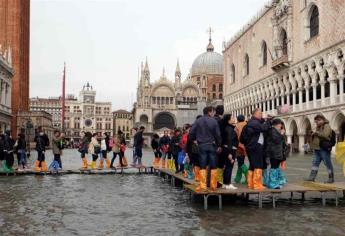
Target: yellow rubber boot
pixel 100 165
pixel 220 175
pixel 250 179
pixel 202 184
pixel 213 182
pixel 163 163
pixel 107 161
pixel 258 180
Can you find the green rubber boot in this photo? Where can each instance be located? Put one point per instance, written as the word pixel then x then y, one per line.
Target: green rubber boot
pixel 244 169
pixel 5 168
pixel 238 176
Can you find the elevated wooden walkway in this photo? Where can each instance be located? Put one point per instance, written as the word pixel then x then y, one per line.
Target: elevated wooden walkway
pixel 117 170
pixel 302 188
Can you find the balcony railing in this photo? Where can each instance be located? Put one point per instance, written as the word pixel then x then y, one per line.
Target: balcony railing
pixel 280 63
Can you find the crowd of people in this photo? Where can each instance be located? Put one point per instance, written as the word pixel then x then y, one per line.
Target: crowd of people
pixel 208 149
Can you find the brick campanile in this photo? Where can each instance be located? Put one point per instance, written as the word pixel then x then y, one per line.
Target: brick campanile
pixel 15 33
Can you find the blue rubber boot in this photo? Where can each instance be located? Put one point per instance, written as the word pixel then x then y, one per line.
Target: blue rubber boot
pixel 281 177
pixel 265 178
pixel 273 179
pixel 55 166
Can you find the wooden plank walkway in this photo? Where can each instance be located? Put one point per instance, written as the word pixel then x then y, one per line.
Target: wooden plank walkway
pixel 301 188
pixel 117 170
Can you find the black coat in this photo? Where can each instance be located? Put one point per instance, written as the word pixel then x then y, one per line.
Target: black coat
pixel 255 128
pixel 175 145
pixel 275 145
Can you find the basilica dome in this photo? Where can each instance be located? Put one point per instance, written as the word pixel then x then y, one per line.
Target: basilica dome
pixel 209 63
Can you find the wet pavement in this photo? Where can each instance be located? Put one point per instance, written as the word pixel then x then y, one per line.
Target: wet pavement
pixel 145 205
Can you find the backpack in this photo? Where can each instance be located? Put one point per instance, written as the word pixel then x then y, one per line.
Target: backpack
pixel 245 135
pixel 327 145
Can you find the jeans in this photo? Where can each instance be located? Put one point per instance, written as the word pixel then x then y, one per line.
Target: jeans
pixel 325 156
pixel 228 166
pixel 114 157
pixel 139 154
pixel 164 155
pixel 57 158
pixel 208 156
pixel 21 157
pixel 256 157
pixel 135 158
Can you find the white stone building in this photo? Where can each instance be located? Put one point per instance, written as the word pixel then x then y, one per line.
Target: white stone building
pixel 291 55
pixel 6 75
pixel 86 114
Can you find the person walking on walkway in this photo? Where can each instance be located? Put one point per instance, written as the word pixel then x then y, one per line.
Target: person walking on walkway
pixel 253 138
pixel 221 162
pixel 139 143
pixel 164 144
pixel 242 169
pixel 176 150
pixel 207 135
pixel 117 141
pixel 57 146
pixel 83 147
pixel 8 152
pixel 156 150
pixel 95 150
pixel 276 151
pixel 21 151
pixel 229 148
pixel 322 142
pixel 42 142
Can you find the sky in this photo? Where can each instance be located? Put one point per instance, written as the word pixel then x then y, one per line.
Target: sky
pixel 104 41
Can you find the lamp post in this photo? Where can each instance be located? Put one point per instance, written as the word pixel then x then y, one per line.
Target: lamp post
pixel 29 128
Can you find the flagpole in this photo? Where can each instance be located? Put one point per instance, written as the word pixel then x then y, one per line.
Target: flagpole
pixel 63 99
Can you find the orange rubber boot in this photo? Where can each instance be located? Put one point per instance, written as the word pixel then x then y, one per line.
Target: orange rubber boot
pixel 100 165
pixel 36 166
pixel 214 180
pixel 163 163
pixel 107 163
pixel 258 180
pixel 250 179
pixel 197 173
pixel 202 184
pixel 84 163
pixel 44 166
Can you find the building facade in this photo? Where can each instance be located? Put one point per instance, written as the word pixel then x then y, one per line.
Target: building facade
pixel 6 75
pixel 86 114
pixel 289 61
pixel 208 73
pixel 15 35
pixel 123 120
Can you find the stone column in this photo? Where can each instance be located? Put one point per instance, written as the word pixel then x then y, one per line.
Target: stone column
pixel 264 109
pixel 322 92
pixel 301 141
pixel 307 97
pixel 314 95
pixel 282 99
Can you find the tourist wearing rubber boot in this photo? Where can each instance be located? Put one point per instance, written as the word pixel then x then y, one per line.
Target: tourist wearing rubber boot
pixel 8 152
pixel 57 147
pixel 276 151
pixel 207 135
pixel 42 142
pixel 255 132
pixel 242 168
pixel 323 139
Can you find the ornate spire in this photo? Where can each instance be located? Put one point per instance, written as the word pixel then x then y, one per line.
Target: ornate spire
pixel 210 47
pixel 178 70
pixel 146 68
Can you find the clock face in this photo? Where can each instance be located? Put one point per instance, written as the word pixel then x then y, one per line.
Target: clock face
pixel 88 122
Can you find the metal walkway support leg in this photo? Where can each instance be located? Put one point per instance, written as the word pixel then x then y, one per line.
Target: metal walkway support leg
pixel 336 198
pixel 205 202
pixel 260 200
pixel 303 196
pixel 323 198
pixel 274 200
pixel 220 202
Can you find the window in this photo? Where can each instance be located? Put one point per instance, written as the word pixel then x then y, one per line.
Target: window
pixel 232 75
pixel 284 42
pixel 214 88
pixel 246 64
pixel 314 22
pixel 264 53
pixel 220 87
pixel 214 96
pixel 220 96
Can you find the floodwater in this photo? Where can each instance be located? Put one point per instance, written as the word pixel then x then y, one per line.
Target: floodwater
pixel 146 205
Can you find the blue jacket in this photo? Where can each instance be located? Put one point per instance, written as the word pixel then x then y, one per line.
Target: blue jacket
pixel 206 130
pixel 255 128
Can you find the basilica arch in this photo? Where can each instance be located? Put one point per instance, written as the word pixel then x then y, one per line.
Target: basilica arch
pixel 164 120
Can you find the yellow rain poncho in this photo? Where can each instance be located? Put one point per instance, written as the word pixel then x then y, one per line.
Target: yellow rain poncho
pixel 340 154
